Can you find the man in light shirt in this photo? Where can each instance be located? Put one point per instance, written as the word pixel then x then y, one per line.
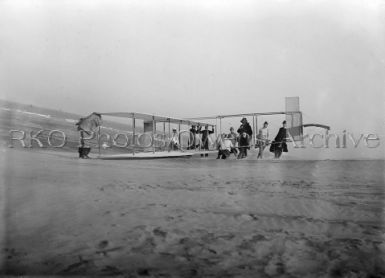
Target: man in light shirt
pixel 233 137
pixel 262 139
pixel 174 142
pixel 225 147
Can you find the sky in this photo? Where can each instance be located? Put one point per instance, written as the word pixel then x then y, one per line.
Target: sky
pixel 199 58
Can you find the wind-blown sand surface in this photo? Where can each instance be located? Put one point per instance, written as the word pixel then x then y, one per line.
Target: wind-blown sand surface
pixel 191 217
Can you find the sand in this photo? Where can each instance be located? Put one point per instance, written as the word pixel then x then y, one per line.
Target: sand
pixel 191 217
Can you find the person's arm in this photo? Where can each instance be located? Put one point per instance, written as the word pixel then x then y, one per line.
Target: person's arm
pixel 240 129
pixel 250 130
pixel 288 136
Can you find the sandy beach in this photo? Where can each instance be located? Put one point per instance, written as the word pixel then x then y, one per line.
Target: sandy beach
pixel 127 83
pixel 191 217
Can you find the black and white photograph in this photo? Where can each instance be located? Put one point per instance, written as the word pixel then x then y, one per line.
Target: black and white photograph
pixel 192 138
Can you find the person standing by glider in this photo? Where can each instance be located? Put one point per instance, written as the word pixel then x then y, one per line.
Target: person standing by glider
pixel 279 144
pixel 192 143
pixel 205 138
pixel 87 125
pixel 262 139
pixel 244 145
pixel 245 127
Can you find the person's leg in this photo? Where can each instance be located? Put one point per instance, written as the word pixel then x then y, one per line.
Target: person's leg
pixel 227 154
pixel 279 153
pixel 240 153
pixel 219 154
pixel 207 148
pixel 80 150
pixel 223 156
pixel 86 152
pixel 261 149
pixel 169 147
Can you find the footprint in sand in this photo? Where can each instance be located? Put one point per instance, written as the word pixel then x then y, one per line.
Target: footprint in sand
pixel 159 232
pixel 143 272
pixel 103 244
pixel 75 267
pixel 111 270
pixel 145 247
pixel 247 217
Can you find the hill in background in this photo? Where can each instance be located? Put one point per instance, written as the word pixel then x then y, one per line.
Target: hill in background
pixel 29 118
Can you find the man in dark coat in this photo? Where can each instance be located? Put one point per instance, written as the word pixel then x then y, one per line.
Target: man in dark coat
pixel 205 137
pixel 245 127
pixel 192 144
pixel 243 145
pixel 279 144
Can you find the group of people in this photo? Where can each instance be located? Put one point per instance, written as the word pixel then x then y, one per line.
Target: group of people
pixel 193 143
pixel 204 141
pixel 234 143
pixel 238 144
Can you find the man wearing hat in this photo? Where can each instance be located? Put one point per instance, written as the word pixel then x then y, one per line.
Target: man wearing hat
pixel 192 143
pixel 245 133
pixel 205 138
pixel 245 127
